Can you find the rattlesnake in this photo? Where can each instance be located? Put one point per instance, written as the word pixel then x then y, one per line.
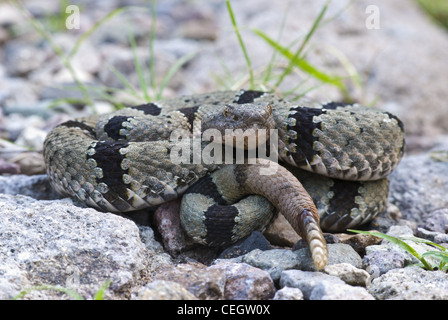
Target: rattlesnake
pixel 123 161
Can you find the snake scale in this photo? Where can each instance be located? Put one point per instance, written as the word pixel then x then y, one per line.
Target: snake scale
pixel 334 161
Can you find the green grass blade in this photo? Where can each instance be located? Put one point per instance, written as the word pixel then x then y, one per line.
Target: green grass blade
pixel 124 80
pixel 439 155
pixel 420 240
pixel 270 66
pixel 440 255
pixel 348 66
pixel 107 94
pixel 138 67
pixel 92 29
pixel 227 79
pixel 302 46
pixel 99 295
pixel 443 256
pixel 301 63
pixel 243 47
pixel 292 94
pixel 56 21
pixel 398 242
pixel 174 68
pixel 152 36
pixel 56 102
pixel 39 28
pixel 71 293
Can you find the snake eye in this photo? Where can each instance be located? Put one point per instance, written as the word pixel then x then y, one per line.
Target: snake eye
pixel 227 111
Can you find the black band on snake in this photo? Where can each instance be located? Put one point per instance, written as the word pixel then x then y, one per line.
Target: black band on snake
pixel 334 162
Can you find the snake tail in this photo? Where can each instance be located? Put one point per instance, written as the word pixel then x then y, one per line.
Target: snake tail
pixel 288 195
pixel 314 237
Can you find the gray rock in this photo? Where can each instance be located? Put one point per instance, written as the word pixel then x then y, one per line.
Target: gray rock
pixel 255 241
pixel 8 168
pixel 23 114
pixel 17 122
pixel 202 282
pixel 418 187
pixel 148 239
pixel 337 253
pixel 122 59
pixel 32 137
pixel 280 233
pixel 10 15
pixel 273 261
pixel 437 221
pixel 226 280
pixel 113 33
pixel 163 290
pixel 288 293
pixel 86 60
pixel 412 283
pixel 436 237
pixel 348 273
pixel 16 93
pixel 321 286
pixel 20 57
pixel 56 243
pixel 68 90
pixel 37 187
pixel 306 281
pixel 379 262
pixel 335 291
pixel 391 256
pixel 358 241
pixel 400 231
pixel 391 217
pixel 167 220
pixel 244 282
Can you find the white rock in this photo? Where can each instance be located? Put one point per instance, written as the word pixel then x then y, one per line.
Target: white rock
pixel 348 273
pixel 335 291
pixel 288 293
pixel 411 283
pixel 57 243
pixel 306 281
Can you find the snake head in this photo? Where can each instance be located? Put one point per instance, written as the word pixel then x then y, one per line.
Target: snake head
pixel 240 119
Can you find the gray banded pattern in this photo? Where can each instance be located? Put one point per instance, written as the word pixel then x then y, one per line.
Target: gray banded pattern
pixel 122 162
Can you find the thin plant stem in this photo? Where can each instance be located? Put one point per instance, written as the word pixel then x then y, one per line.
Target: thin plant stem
pixel 243 47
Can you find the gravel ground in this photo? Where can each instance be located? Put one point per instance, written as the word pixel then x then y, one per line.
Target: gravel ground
pixel 48 240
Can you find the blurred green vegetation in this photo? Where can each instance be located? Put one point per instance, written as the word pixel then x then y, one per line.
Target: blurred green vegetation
pixel 437 9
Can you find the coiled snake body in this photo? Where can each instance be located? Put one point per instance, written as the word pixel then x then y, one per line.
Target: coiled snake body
pixel 123 161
